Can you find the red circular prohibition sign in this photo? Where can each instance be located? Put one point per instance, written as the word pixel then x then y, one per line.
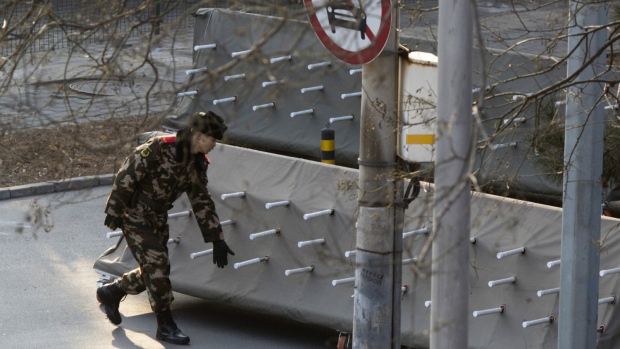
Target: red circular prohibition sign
pixel 364 55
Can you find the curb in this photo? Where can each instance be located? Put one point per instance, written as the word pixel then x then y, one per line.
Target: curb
pixel 49 187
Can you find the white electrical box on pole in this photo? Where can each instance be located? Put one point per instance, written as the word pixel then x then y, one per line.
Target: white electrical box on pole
pixel 419 107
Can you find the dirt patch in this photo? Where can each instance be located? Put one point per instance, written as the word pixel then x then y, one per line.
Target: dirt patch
pixel 93 148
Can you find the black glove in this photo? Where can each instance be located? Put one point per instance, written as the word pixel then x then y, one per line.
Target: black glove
pixel 220 253
pixel 113 222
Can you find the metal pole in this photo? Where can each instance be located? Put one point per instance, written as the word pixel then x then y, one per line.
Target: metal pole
pixel 377 275
pixel 451 216
pixel 583 164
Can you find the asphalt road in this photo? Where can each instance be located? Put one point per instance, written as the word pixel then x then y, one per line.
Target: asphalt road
pixel 47 290
pixel 45 90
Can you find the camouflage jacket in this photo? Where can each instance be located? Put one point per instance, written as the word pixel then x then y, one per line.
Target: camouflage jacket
pixel 153 176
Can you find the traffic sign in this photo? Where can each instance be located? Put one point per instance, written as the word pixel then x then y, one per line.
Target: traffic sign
pixel 355 31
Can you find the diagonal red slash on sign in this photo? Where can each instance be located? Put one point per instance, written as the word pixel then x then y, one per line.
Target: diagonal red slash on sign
pixel 370 35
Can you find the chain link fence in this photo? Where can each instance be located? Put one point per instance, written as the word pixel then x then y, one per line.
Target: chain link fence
pixel 47 25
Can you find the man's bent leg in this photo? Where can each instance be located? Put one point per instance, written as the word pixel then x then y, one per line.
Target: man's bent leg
pixel 149 248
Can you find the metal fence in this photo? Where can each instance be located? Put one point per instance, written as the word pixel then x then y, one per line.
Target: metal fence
pixel 36 25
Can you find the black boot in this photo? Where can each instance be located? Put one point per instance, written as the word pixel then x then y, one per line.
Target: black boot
pixel 167 329
pixel 110 295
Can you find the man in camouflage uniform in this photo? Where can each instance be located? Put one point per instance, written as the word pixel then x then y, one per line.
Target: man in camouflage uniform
pixel 146 185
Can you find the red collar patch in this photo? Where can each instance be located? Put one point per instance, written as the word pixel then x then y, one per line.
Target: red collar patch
pixel 168 139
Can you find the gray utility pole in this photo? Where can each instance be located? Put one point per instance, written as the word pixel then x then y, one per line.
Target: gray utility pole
pixel 451 215
pixel 583 168
pixel 376 310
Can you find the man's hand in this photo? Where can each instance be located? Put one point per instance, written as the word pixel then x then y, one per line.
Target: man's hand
pixel 113 222
pixel 220 253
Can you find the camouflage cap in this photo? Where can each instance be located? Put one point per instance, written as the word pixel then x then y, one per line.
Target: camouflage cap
pixel 209 123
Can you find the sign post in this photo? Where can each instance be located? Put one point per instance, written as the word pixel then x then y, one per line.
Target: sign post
pixel 357 32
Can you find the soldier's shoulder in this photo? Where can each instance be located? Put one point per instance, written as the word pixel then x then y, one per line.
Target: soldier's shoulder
pixel 154 146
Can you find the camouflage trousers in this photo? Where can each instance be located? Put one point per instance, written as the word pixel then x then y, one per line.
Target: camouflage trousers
pixel 147 234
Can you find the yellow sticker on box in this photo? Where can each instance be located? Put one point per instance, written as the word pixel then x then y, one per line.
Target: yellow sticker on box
pixel 420 139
